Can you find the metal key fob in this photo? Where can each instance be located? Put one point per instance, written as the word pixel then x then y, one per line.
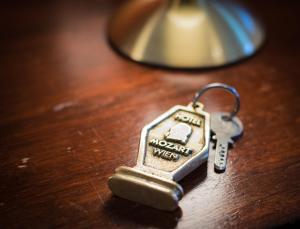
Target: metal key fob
pixel 173 145
pixel 226 132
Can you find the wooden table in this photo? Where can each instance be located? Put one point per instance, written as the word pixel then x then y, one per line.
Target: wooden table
pixel 72 110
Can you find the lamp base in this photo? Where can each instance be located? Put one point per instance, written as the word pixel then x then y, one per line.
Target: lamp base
pixel 185 33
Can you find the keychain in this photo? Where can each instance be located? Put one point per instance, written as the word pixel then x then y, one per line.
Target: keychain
pixel 226 127
pixel 173 145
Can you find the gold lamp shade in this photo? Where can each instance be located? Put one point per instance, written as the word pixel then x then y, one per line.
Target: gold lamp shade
pixel 185 33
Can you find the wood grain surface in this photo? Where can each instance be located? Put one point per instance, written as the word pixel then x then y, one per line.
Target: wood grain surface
pixel 72 110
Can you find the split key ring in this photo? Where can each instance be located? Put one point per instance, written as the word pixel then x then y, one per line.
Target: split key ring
pixel 226 87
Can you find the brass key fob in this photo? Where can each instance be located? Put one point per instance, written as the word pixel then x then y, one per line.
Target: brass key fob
pixel 171 146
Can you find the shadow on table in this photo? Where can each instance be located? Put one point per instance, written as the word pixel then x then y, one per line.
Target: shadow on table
pixel 194 179
pixel 124 211
pixel 134 214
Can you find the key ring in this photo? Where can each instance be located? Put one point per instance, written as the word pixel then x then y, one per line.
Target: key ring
pixel 226 87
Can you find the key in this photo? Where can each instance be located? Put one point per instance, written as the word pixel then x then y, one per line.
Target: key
pixel 226 131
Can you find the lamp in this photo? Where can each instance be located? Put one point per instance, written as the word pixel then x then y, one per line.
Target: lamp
pixel 185 33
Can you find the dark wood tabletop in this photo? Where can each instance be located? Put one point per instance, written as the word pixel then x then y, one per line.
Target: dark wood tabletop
pixel 72 110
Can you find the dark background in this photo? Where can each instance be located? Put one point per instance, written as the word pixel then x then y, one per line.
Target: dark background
pixel 72 109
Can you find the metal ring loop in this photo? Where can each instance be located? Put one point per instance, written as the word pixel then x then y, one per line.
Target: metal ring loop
pixel 228 88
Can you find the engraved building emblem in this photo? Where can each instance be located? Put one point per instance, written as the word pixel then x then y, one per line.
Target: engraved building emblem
pixel 171 146
pixel 179 133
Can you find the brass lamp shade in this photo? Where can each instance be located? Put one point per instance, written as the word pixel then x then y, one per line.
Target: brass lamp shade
pixel 185 33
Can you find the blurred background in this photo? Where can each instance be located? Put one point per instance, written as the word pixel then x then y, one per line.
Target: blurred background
pixel 80 79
